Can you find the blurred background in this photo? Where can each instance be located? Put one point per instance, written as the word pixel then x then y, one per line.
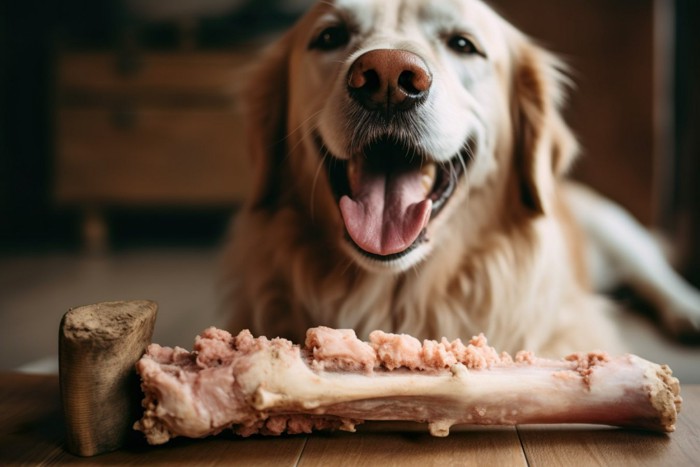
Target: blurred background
pixel 122 155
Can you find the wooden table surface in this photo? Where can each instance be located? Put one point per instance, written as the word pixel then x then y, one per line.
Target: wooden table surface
pixel 32 432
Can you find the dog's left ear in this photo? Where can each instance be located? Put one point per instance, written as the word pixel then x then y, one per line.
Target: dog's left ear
pixel 545 147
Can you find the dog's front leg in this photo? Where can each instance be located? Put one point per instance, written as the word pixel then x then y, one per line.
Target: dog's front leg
pixel 622 251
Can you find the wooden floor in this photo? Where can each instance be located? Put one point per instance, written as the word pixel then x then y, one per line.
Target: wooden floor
pixel 32 433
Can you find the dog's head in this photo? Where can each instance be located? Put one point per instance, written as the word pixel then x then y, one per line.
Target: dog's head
pixel 388 121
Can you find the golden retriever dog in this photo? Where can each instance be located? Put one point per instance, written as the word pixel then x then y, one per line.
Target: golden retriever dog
pixel 409 161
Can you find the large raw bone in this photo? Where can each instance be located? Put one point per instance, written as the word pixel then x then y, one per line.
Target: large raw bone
pixel 256 385
pixel 98 347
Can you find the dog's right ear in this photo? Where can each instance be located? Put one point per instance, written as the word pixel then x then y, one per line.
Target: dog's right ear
pixel 545 146
pixel 265 111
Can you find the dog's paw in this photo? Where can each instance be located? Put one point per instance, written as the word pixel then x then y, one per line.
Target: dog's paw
pixel 681 317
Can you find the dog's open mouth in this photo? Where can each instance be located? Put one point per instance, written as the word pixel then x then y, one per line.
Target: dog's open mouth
pixel 388 194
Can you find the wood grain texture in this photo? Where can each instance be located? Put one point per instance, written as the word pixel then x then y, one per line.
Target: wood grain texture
pixel 87 78
pixel 582 445
pixel 31 422
pixel 166 133
pixel 98 348
pixel 161 157
pixel 464 447
pixel 222 450
pixel 32 433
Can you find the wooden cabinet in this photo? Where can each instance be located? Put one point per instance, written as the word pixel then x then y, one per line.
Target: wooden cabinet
pixel 155 156
pixel 164 131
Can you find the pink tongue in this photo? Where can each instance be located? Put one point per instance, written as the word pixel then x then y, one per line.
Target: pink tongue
pixel 387 212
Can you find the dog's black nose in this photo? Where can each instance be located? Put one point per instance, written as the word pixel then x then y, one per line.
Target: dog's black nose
pixel 388 80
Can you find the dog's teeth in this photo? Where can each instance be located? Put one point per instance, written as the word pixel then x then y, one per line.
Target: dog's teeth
pixel 428 172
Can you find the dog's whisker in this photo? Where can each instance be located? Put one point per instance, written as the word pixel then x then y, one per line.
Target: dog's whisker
pixel 304 137
pixel 312 204
pixel 415 271
pixel 301 125
pixel 293 148
pixel 330 4
pixel 468 150
pixel 349 264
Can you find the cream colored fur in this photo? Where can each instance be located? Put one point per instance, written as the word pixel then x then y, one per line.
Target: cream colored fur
pixel 501 259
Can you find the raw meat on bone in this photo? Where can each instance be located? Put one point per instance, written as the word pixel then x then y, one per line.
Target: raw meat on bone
pixel 256 385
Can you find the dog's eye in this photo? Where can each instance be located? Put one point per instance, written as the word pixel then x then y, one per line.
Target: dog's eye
pixel 463 45
pixel 331 38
